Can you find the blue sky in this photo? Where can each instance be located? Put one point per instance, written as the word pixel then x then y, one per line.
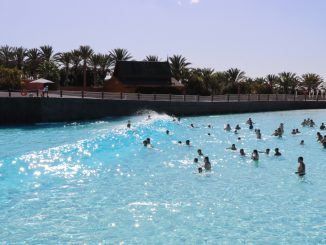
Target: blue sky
pixel 257 36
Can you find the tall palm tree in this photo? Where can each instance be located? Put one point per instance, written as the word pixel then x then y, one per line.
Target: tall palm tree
pixel 6 55
pixel 32 62
pixel 19 57
pixel 95 61
pixel 75 61
pixel 119 54
pixel 288 81
pixel 271 81
pixel 64 59
pixel 85 53
pixel 311 80
pixel 105 65
pixel 178 65
pixel 46 53
pixel 152 58
pixel 235 77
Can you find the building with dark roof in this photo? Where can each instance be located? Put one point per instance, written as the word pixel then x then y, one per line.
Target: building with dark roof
pixel 142 77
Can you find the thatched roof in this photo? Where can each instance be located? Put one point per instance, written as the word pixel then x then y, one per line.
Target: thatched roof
pixel 143 73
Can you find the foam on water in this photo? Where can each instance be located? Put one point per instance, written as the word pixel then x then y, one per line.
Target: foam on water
pixel 95 182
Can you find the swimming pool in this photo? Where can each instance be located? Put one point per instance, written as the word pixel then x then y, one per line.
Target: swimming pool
pixel 95 182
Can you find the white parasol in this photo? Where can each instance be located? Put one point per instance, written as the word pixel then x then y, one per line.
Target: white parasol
pixel 41 81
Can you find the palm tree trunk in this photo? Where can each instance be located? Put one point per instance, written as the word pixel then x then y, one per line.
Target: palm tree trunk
pixel 84 81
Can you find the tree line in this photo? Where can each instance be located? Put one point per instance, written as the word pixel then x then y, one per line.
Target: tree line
pixel 84 67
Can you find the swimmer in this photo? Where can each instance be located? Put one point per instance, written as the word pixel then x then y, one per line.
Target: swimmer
pixel 235 131
pixel 237 127
pixel 319 136
pixel 242 153
pixel 255 155
pixel 258 134
pixel 200 170
pixel 196 160
pixel 128 124
pixel 249 121
pixel 277 152
pixel 209 134
pixel 227 127
pixel 145 143
pixel 324 144
pixel 301 167
pixel 149 117
pixel 200 153
pixel 187 142
pixel 191 125
pixel 233 148
pixel 297 131
pixel 293 131
pixel 282 127
pixel 239 138
pixel 251 126
pixel 209 126
pixel 322 126
pixel 167 132
pixel 180 142
pixel 302 142
pixel 207 164
pixel 266 151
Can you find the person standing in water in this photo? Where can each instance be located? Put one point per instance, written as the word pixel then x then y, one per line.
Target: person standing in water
pixel 301 167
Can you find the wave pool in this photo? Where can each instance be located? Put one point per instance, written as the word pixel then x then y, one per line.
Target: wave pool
pixel 95 182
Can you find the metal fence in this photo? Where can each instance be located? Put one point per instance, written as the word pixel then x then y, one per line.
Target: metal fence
pixel 163 97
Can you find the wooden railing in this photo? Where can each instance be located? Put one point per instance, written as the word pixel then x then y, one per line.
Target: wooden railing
pixel 162 97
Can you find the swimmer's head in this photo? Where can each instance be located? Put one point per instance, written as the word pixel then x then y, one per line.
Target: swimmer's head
pixel 200 170
pixel 187 142
pixel 167 132
pixel 199 152
pixel 195 160
pixel 300 159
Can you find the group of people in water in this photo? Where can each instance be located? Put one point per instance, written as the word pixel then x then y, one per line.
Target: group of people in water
pixel 255 153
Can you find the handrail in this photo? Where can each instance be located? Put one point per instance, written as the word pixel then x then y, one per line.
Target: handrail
pixel 162 97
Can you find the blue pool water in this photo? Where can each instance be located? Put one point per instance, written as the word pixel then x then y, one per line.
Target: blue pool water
pixel 95 182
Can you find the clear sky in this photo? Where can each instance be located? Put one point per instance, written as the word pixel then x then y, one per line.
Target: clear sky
pixel 257 36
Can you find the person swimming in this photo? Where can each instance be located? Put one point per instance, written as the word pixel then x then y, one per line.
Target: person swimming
pixel 322 126
pixel 258 134
pixel 167 132
pixel 196 160
pixel 255 155
pixel 237 127
pixel 266 151
pixel 293 132
pixel 128 124
pixel 227 127
pixel 277 152
pixel 207 164
pixel 302 142
pixel 187 142
pixel 233 148
pixel 242 152
pixel 200 170
pixel 200 153
pixel 297 131
pixel 301 167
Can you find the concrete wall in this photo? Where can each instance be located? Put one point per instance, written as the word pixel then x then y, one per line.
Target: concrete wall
pixel 31 110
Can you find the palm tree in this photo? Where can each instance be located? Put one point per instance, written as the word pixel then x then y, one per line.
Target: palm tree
pixel 152 58
pixel 288 80
pixel 105 65
pixel 95 61
pixel 271 81
pixel 46 53
pixel 311 80
pixel 33 61
pixel 207 74
pixel 235 77
pixel 6 55
pixel 85 53
pixel 119 54
pixel 64 59
pixel 178 65
pixel 75 61
pixel 19 57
